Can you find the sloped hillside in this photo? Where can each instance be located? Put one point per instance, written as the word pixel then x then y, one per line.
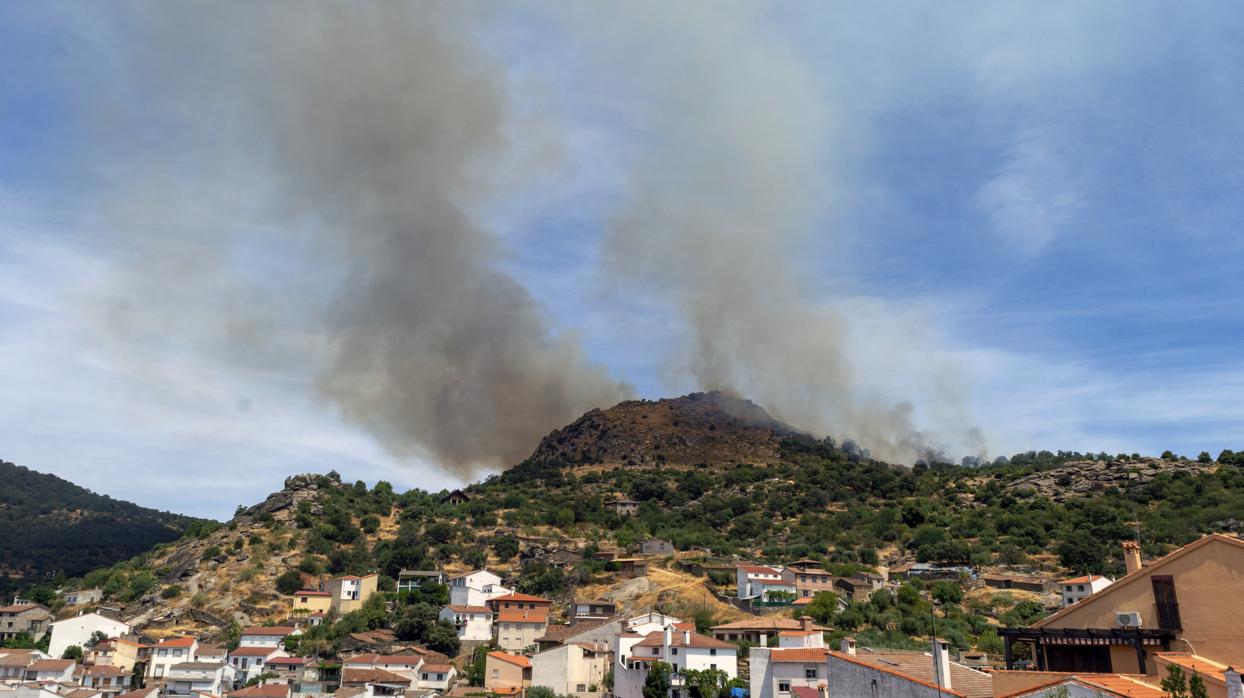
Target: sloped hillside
pixel 700 428
pixel 50 526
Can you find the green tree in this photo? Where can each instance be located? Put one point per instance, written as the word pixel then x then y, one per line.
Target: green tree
pixel 541 692
pixel 443 638
pixel 707 683
pixel 1082 552
pixel 506 547
pixel 289 582
pixel 823 608
pixel 1204 457
pixel 1196 687
pixel 72 652
pixel 947 592
pixel 657 685
pixel 477 666
pixel 1175 683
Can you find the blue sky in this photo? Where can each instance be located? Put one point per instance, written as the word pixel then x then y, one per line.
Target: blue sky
pixel 1043 200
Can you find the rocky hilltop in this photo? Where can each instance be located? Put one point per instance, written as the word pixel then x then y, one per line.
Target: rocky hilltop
pixel 1088 478
pixel 700 428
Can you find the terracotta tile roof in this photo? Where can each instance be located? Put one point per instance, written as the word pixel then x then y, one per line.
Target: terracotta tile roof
pixel 253 651
pixel 437 668
pixel 271 690
pixel 104 670
pixel 515 596
pixel 775 582
pixel 175 642
pixel 1105 685
pixel 514 659
pixel 802 601
pixel 1194 662
pixel 811 570
pixel 799 654
pixel 469 609
pixel 142 692
pixel 51 665
pixel 371 676
pixel 20 608
pixel 805 692
pixel 679 639
pixel 81 693
pixel 523 615
pixel 917 666
pixel 798 633
pixel 17 659
pixel 1082 580
pixel 291 661
pixel 765 624
pixel 400 660
pixel 281 630
pixel 757 569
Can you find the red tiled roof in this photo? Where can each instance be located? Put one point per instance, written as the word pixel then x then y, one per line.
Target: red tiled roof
pixel 253 651
pixel 758 569
pixel 515 596
pixel 104 670
pixel 437 668
pixel 656 638
pixel 51 665
pixel 523 615
pixel 271 690
pixel 1082 580
pixel 515 659
pixel 372 676
pixel 176 642
pixel 805 692
pixel 798 654
pixel 470 609
pixel 765 625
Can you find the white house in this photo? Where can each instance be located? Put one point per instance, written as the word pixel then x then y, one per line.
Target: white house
pixel 1080 588
pixel 105 678
pixel 798 660
pixel 752 580
pixel 248 662
pixel 472 622
pixel 265 636
pixel 197 677
pixel 437 677
pixel 83 596
pixel 54 670
pixel 77 630
pixel 683 650
pixel 475 588
pixel 576 668
pixel 167 653
pixel 650 622
pixel 406 666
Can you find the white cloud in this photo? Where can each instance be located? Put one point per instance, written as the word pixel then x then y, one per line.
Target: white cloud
pixel 1030 199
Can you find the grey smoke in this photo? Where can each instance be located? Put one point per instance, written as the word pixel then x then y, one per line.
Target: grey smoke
pixel 364 140
pixel 723 200
pixel 371 130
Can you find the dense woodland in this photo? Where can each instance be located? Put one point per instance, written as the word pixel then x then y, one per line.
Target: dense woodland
pixel 50 527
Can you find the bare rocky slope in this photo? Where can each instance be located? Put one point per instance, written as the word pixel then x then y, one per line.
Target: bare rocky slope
pixel 700 428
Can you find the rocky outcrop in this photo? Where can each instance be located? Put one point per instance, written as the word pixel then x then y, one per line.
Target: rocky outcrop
pixel 1086 478
pixel 698 428
pixel 298 488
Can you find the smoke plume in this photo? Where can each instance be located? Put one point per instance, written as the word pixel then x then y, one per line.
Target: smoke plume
pixel 372 131
pixel 362 140
pixel 723 198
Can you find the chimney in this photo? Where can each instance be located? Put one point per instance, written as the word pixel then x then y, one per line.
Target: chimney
pixel 686 637
pixel 669 637
pixel 941 663
pixel 805 622
pixel 848 646
pixel 1131 556
pixel 1232 678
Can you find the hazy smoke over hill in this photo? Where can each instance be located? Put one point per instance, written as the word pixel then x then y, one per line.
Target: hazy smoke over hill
pixel 371 133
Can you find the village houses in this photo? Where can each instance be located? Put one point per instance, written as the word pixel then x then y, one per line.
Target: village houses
pixel 475 588
pixel 77 630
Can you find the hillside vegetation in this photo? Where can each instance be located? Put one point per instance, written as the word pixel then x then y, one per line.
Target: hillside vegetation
pixel 790 497
pixel 50 527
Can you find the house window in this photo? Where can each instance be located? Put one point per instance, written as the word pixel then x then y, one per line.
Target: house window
pixel 809 673
pixel 673 650
pixel 1167 603
pixel 425 677
pixel 496 673
pixel 656 651
pixel 713 667
pixel 783 687
pixel 712 653
pixel 440 677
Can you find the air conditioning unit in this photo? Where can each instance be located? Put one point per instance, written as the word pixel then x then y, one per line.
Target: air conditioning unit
pixel 1127 619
